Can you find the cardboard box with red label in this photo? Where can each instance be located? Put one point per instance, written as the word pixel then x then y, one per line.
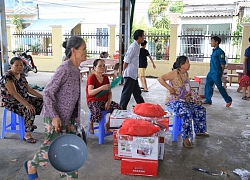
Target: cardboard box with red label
pixel 138 147
pixel 139 167
pixel 200 79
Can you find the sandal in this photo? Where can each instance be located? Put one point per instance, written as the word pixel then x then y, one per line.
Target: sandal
pixel 204 134
pixel 30 176
pixel 144 90
pixel 29 140
pixel 245 98
pixel 204 102
pixel 229 104
pixel 187 144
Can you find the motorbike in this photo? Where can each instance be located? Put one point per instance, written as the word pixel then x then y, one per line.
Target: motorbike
pixel 27 62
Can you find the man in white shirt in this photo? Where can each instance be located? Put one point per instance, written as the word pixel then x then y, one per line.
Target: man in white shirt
pixel 130 71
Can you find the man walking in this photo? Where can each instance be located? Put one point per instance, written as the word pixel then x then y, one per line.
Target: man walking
pixel 130 71
pixel 217 65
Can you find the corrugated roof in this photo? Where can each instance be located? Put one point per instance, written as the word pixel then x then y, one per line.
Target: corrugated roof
pixel 208 14
pixel 244 4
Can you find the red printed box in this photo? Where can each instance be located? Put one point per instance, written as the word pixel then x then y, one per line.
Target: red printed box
pixel 115 146
pixel 138 147
pixel 139 167
pixel 200 79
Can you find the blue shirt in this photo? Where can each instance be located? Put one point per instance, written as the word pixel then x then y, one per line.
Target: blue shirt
pixel 247 55
pixel 217 59
pixel 132 58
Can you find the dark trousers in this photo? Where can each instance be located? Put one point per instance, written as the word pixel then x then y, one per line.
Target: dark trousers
pixel 130 87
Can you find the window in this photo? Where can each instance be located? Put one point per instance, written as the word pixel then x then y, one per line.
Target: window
pixel 102 37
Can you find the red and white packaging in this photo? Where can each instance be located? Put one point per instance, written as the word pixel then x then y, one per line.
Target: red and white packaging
pixel 200 79
pixel 161 147
pixel 138 147
pixel 115 146
pixel 117 117
pixel 139 167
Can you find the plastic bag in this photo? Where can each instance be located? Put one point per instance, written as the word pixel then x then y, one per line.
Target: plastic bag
pixel 244 81
pixel 138 127
pixel 148 109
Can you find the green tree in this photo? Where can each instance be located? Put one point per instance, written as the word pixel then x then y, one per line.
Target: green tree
pixel 177 7
pixel 18 22
pixel 156 10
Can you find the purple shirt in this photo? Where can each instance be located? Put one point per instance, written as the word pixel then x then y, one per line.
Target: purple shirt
pixel 62 94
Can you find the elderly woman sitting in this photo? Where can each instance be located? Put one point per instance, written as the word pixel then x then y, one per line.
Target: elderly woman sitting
pixel 96 83
pixel 15 96
pixel 178 99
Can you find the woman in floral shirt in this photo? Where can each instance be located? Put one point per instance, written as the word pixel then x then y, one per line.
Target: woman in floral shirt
pixel 15 92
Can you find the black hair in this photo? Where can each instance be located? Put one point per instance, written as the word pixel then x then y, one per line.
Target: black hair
pixel 138 33
pixel 104 54
pixel 216 38
pixel 144 43
pixel 96 62
pixel 249 39
pixel 14 59
pixel 179 61
pixel 73 42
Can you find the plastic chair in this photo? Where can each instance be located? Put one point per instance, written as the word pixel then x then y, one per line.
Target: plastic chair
pixel 12 127
pixel 101 128
pixel 176 126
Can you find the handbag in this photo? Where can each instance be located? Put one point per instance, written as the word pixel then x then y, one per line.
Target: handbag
pixel 244 81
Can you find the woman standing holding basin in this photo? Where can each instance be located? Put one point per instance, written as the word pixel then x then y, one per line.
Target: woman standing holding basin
pixel 61 108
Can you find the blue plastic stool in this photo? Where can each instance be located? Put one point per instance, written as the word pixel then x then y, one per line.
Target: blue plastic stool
pixel 101 129
pixel 176 126
pixel 12 127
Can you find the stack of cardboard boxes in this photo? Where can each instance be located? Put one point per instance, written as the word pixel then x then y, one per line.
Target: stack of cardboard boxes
pixel 138 155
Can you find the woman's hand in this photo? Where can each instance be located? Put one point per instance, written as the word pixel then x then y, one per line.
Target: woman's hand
pixel 56 122
pixel 106 87
pixel 172 90
pixel 107 105
pixel 31 109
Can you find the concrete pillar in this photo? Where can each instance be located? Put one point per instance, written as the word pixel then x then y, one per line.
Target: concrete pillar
pixel 10 28
pixel 173 45
pixel 112 37
pixel 4 63
pixel 244 42
pixel 57 40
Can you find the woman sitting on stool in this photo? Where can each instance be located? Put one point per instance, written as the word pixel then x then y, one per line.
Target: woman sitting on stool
pixel 178 99
pixel 15 92
pixel 95 84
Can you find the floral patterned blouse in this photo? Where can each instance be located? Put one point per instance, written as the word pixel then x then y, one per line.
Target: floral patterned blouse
pixel 19 84
pixel 181 85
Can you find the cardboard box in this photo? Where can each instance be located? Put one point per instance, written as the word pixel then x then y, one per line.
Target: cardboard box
pixel 200 79
pixel 115 146
pixel 194 83
pixel 161 148
pixel 139 167
pixel 117 117
pixel 138 147
pixel 202 90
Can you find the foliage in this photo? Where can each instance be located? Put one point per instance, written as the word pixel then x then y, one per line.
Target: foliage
pixel 156 9
pixel 35 48
pixel 163 23
pixel 177 7
pixel 18 22
pixel 238 31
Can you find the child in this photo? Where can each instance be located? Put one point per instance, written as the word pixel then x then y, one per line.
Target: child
pixel 143 63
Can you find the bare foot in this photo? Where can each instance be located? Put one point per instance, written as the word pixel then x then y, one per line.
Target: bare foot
pixel 31 170
pixel 107 130
pixel 91 128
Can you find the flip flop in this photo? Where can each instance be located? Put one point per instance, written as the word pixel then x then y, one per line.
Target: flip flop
pixel 30 140
pixel 144 90
pixel 30 176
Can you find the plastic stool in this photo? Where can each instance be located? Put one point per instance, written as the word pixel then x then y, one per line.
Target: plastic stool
pixel 12 127
pixel 101 129
pixel 176 126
